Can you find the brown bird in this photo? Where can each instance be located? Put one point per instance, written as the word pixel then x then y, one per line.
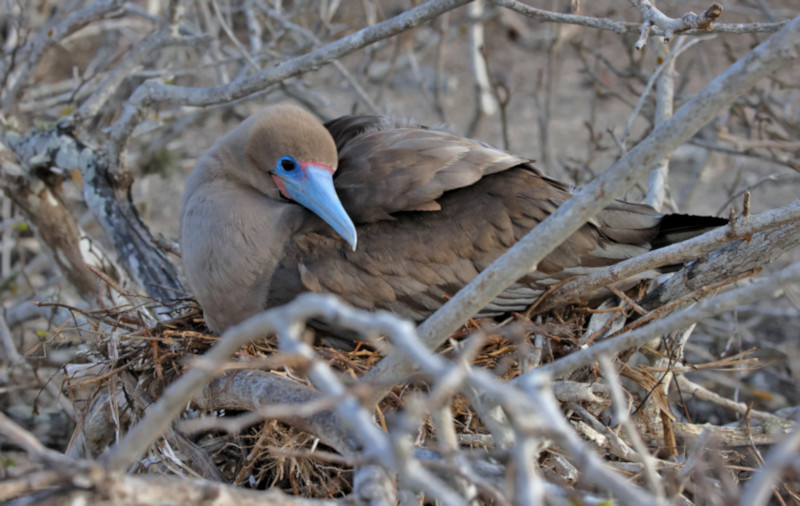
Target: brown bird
pixel 419 213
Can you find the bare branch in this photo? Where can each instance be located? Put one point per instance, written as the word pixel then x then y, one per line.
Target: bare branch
pixel 670 26
pixel 688 388
pixel 574 290
pixel 28 441
pixel 44 206
pixel 485 103
pixel 48 35
pixel 759 489
pixel 621 27
pixel 286 319
pixel 623 418
pixel 535 412
pixel 706 308
pixel 111 203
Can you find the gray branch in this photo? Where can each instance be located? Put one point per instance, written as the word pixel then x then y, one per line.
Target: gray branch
pixel 109 199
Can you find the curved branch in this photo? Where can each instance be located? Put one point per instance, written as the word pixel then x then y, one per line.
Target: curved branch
pixel 264 394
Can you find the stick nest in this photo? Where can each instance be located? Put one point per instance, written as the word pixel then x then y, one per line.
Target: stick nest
pixel 273 453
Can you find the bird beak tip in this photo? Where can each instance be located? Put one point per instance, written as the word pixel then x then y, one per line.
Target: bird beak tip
pixel 317 194
pixel 348 233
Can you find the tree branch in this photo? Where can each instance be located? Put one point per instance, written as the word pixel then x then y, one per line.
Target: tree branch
pixel 768 288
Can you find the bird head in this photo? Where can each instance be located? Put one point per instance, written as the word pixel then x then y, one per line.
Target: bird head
pixel 297 153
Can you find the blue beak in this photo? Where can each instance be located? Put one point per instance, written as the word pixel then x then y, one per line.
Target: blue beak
pixel 312 187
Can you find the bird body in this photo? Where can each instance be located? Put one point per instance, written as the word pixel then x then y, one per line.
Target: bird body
pixel 420 212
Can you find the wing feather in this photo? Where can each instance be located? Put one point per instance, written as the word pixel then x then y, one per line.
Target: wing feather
pixel 384 169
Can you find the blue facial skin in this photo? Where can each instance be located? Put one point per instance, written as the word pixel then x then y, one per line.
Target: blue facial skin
pixel 311 185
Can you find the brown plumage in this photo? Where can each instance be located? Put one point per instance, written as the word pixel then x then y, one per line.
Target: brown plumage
pixel 431 210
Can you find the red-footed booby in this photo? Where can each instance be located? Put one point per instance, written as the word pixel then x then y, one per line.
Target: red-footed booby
pixel 383 214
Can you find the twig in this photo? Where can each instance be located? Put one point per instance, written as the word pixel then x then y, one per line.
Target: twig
pixel 287 320
pixel 665 95
pixel 535 414
pixel 31 445
pixel 706 308
pixel 485 102
pixel 58 149
pixel 235 425
pixel 110 85
pixel 48 35
pixel 229 32
pixel 675 254
pixel 746 189
pixel 688 387
pixel 621 27
pixel 623 418
pixel 17 359
pixel 668 66
pixel 689 21
pixel 361 93
pixel 758 490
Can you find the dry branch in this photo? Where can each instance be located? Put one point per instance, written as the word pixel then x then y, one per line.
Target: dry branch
pixel 110 200
pixel 689 21
pixel 700 26
pixel 770 287
pixel 45 208
pixel 572 291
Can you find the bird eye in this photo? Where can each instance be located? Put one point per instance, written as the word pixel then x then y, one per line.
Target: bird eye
pixel 287 163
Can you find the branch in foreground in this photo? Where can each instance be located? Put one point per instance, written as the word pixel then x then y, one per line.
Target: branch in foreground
pixel 575 290
pixel 527 415
pixel 767 288
pixel 533 412
pixel 264 394
pixel 32 446
pixel 305 307
pixel 782 455
pixel 767 57
pixel 99 486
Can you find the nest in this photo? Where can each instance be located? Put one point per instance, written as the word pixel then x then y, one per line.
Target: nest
pixel 140 362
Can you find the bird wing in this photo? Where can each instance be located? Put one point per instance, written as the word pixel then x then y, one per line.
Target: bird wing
pixel 386 167
pixel 411 265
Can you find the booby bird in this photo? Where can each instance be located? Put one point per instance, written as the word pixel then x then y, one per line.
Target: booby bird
pixel 382 213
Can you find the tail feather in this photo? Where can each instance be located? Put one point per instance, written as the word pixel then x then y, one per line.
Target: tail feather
pixel 675 228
